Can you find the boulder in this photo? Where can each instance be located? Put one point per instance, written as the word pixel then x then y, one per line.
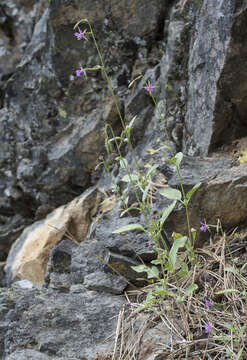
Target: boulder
pixel 29 255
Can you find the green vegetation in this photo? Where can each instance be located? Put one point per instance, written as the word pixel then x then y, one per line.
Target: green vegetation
pixel 204 288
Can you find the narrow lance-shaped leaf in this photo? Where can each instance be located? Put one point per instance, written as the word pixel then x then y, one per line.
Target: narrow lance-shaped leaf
pixel 239 354
pixel 176 159
pixel 151 170
pixel 170 193
pixel 167 212
pixel 123 163
pixel 153 272
pixel 190 289
pixel 145 193
pixel 80 21
pixel 178 243
pixel 228 291
pixel 191 191
pixel 179 158
pixel 126 178
pixel 140 268
pixel 129 227
pixel 129 126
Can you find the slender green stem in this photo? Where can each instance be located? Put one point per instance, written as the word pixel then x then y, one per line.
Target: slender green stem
pixel 177 167
pixel 115 100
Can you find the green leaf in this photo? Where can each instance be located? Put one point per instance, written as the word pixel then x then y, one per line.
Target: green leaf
pixel 149 296
pixel 114 139
pixel 129 227
pixel 176 159
pixel 126 178
pixel 178 243
pixel 62 112
pixel 167 212
pixel 145 194
pixel 223 338
pixel 140 268
pixel 242 330
pixel 156 262
pixel 228 291
pixel 184 270
pixel 153 272
pixel 152 151
pixel 170 193
pixel 151 170
pixel 243 267
pixel 123 163
pixel 129 126
pixel 96 67
pixel 239 355
pixel 129 208
pixel 191 192
pixel 179 299
pixel 179 157
pixel 176 236
pixel 190 289
pixel 161 291
pixel 193 232
pixel 229 326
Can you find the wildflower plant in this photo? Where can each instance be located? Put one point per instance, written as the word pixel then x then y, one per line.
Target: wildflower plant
pixel 171 265
pixel 166 255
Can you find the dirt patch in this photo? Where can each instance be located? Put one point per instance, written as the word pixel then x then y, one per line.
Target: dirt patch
pixel 235 150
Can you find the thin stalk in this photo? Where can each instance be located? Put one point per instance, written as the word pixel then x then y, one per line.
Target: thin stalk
pixel 177 167
pixel 115 100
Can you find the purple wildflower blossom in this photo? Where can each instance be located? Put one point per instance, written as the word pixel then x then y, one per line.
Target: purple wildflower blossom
pixel 80 35
pixel 208 328
pixel 152 216
pixel 150 246
pixel 203 226
pixel 149 87
pixel 79 72
pixel 208 303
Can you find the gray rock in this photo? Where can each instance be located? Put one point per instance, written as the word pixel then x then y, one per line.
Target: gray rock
pixel 62 326
pixel 50 121
pixel 28 354
pixel 122 265
pixel 221 196
pixel 216 103
pixel 100 281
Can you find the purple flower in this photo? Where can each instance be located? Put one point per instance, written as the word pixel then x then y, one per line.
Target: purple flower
pixel 208 303
pixel 79 72
pixel 149 87
pixel 80 35
pixel 203 226
pixel 150 246
pixel 208 328
pixel 152 216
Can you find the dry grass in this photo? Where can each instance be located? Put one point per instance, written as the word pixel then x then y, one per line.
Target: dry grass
pixel 181 326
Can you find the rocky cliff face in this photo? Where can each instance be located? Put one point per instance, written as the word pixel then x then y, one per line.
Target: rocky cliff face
pixel 51 130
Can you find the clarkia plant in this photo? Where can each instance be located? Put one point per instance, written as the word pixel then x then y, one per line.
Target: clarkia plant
pixel 168 262
pixel 167 255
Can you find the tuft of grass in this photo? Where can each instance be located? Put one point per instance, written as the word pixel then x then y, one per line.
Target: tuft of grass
pixel 219 301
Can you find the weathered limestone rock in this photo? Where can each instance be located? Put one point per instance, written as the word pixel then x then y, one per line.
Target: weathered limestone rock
pixel 52 325
pixel 222 195
pixel 50 121
pixel 217 90
pixel 29 256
